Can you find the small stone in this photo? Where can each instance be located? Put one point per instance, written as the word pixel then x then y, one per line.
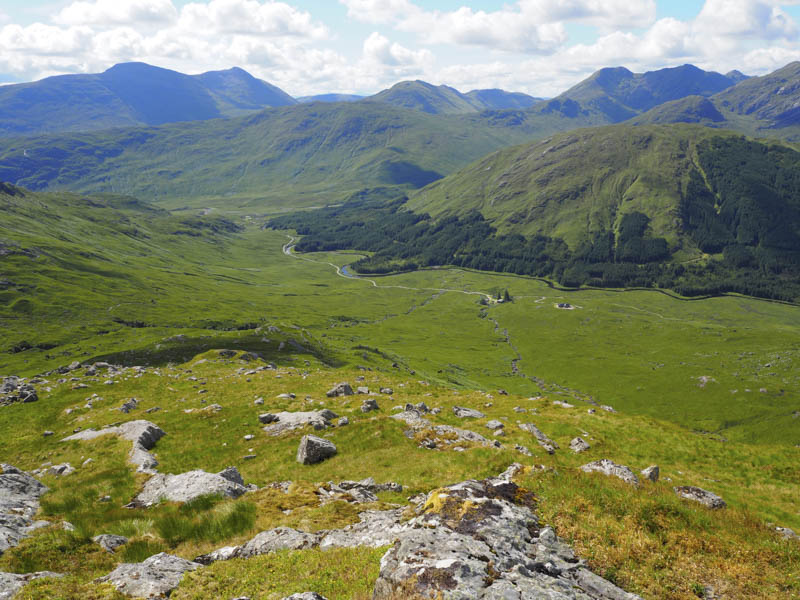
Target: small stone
pixel 465 413
pixel 607 408
pixel 343 421
pixel 523 450
pixel 47 433
pixel 495 424
pixel 651 473
pixel 362 390
pixel 387 390
pixel 267 418
pixel 248 457
pixel 578 444
pixel 369 404
pixel 109 542
pixel 249 437
pixel 709 499
pixel 591 411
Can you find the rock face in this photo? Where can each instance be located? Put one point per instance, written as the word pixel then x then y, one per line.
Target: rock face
pixel 14 389
pixel 153 578
pixel 578 445
pixel 467 413
pixel 19 502
pixel 11 583
pixel 187 486
pixel 651 473
pixel 545 442
pixel 289 421
pixel 608 467
pixel 340 389
pixel 313 449
pixel 494 549
pixel 704 497
pixel 142 434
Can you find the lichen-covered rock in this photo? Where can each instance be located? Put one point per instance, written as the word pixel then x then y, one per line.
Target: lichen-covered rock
pixel 187 486
pixel 375 528
pixel 289 421
pixel 494 424
pixel 651 473
pixel 155 577
pixel 11 583
pixel 608 467
pixel 545 442
pixel 313 449
pixel 109 542
pixel 578 445
pixel 369 405
pixel 437 436
pixel 481 539
pixel 19 503
pixel 225 553
pixel 704 497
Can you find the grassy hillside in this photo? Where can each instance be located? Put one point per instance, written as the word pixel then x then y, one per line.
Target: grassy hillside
pixel 294 156
pixel 96 279
pixel 130 94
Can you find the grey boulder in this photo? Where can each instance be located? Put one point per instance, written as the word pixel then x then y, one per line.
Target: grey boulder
pixel 155 577
pixel 369 404
pixel 289 421
pixel 19 503
pixel 142 434
pixel 608 467
pixel 704 497
pixel 305 596
pixel 188 486
pixel 313 449
pixel 340 389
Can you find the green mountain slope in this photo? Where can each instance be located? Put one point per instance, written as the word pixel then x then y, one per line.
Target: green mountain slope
pixel 330 98
pixel 308 153
pixel 130 94
pixel 500 99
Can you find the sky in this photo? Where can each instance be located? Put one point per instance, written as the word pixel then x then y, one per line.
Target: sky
pixel 540 47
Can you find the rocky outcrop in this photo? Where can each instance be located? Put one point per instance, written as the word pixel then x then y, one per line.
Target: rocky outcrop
pixel 545 442
pixel 188 486
pixel 19 503
pixel 704 497
pixel 439 437
pixel 142 434
pixel 360 492
pixel 11 583
pixel 375 528
pixel 481 539
pixel 608 467
pixel 289 421
pixel 153 578
pixel 313 449
pixel 14 389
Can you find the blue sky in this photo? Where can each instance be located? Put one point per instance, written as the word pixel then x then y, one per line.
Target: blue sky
pixel 361 46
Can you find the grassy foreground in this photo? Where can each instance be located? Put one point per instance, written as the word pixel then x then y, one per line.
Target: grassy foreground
pixel 646 540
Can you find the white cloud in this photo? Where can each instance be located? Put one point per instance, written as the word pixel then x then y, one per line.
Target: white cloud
pixel 749 18
pixel 249 17
pixel 379 50
pixel 379 11
pixel 117 12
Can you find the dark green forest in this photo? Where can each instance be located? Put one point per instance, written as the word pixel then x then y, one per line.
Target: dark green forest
pixel 741 206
